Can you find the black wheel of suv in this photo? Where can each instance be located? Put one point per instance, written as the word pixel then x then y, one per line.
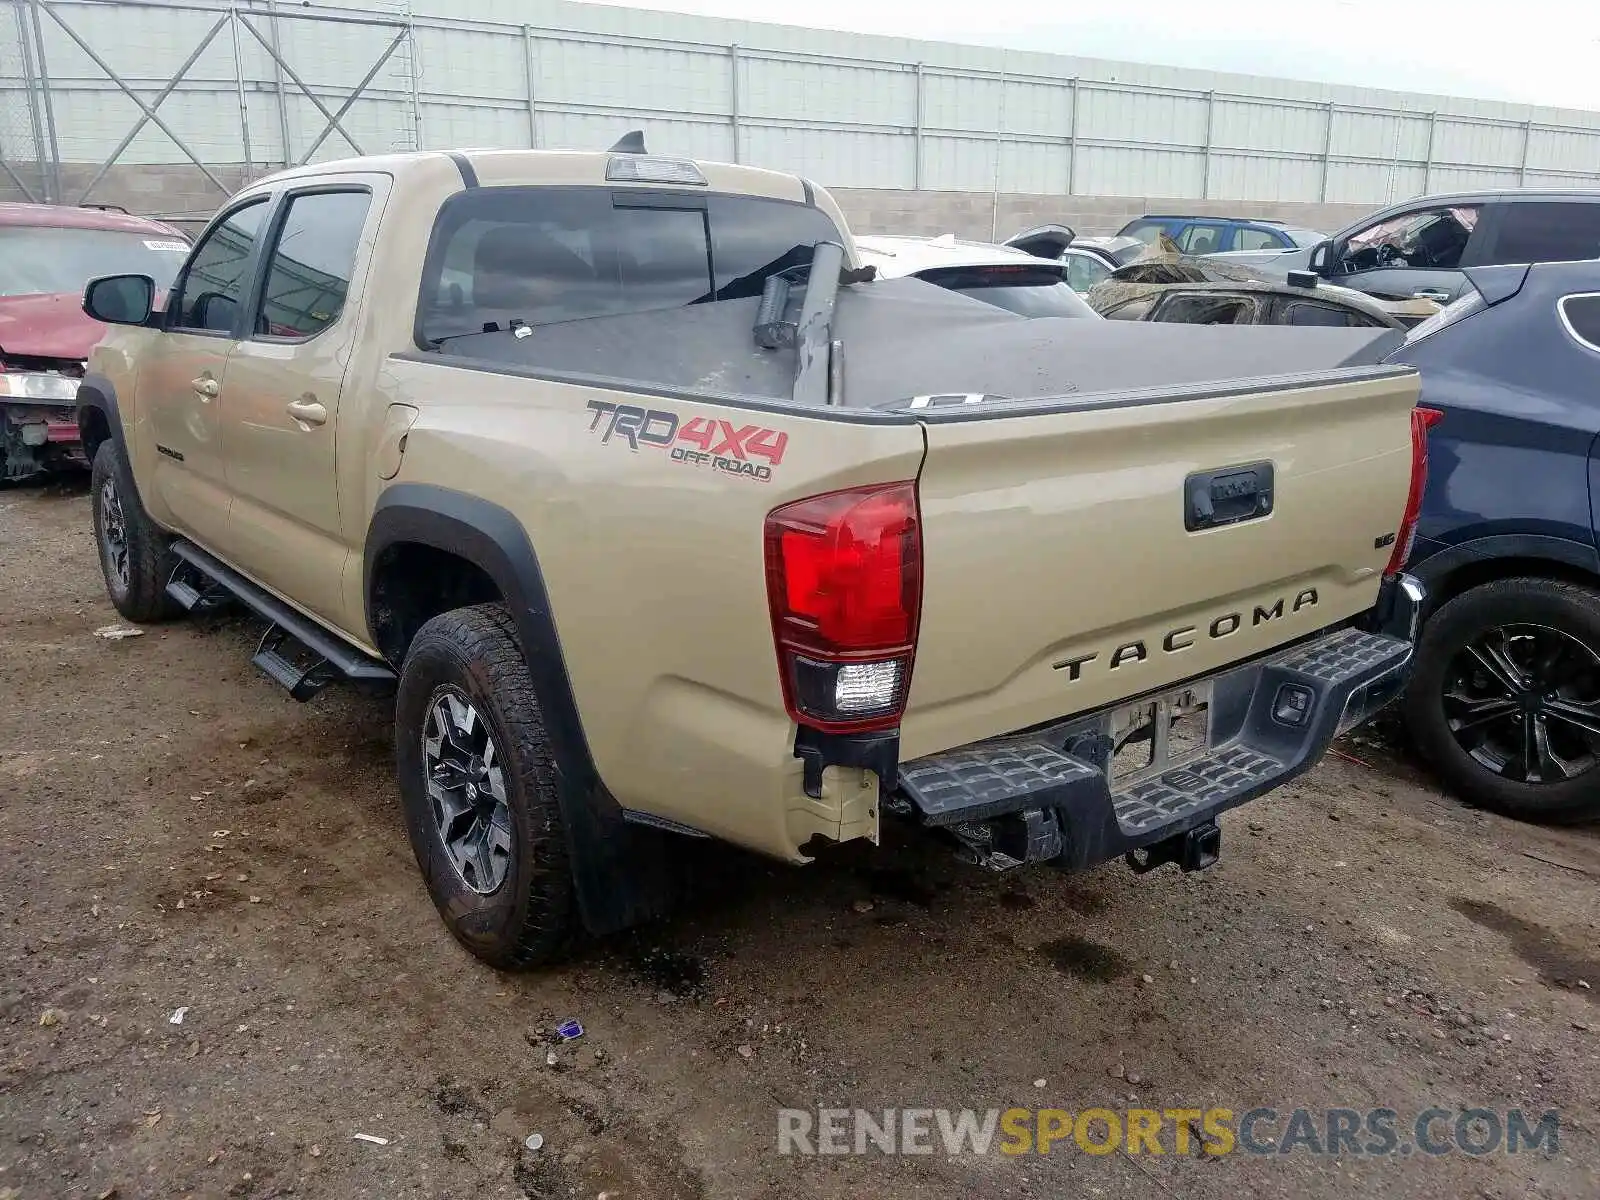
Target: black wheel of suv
pixel 1505 699
pixel 134 554
pixel 478 782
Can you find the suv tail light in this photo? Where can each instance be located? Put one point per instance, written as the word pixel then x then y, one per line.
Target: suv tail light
pixel 1422 420
pixel 844 583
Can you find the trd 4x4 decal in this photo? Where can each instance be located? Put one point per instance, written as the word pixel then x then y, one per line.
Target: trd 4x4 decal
pixel 710 442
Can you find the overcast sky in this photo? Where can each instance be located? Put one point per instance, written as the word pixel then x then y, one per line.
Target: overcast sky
pixel 1536 51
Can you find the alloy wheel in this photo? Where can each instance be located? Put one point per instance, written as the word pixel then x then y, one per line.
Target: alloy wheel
pixel 466 787
pixel 114 531
pixel 1524 701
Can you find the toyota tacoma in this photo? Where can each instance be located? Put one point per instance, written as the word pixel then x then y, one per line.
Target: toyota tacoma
pixel 663 518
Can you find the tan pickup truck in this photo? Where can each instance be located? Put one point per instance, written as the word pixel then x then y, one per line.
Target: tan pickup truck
pixel 665 519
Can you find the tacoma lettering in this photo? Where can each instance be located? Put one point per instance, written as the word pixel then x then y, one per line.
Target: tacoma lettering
pixel 1185 636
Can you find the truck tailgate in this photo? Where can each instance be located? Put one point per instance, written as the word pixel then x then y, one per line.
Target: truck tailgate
pixel 1060 573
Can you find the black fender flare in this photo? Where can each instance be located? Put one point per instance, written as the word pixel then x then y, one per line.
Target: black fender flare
pixel 97 394
pixel 618 868
pixel 1437 568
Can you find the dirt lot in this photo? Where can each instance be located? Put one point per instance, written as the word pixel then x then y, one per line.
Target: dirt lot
pixel 175 832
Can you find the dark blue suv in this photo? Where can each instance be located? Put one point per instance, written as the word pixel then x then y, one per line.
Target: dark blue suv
pixel 1505 697
pixel 1217 235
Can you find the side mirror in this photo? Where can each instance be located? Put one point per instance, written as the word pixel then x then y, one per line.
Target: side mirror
pixel 120 299
pixel 215 312
pixel 1321 257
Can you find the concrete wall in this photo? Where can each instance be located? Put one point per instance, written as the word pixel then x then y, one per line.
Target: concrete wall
pixel 184 195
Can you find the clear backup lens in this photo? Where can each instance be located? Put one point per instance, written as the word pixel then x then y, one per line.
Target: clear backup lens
pixel 864 688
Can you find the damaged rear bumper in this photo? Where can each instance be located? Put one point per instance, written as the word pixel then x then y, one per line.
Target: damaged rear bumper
pixel 1047 795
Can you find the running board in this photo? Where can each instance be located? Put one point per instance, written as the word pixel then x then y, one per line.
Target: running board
pixel 295 651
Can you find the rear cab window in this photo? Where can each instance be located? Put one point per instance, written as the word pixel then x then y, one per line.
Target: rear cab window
pixel 504 256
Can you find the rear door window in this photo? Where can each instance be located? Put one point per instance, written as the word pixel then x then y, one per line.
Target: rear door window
pixel 1084 270
pixel 1257 239
pixel 1305 312
pixel 309 272
pixel 1547 231
pixel 1203 239
pixel 505 256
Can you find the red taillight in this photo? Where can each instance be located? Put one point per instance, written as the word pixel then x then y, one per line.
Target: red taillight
pixel 1422 420
pixel 844 583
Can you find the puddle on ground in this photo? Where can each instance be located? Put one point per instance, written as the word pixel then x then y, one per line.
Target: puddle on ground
pixel 1086 960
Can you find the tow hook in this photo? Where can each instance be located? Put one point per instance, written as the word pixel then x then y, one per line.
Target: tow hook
pixel 1194 850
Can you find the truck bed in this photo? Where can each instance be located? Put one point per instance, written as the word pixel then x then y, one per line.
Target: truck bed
pixel 904 338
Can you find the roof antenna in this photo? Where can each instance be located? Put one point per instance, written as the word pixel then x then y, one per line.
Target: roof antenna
pixel 630 143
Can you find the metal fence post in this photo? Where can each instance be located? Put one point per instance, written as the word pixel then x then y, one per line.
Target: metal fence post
pixel 1527 142
pixel 244 109
pixel 999 154
pixel 53 188
pixel 530 73
pixel 733 98
pixel 1072 139
pixel 1327 153
pixel 40 170
pixel 1427 163
pixel 277 80
pixel 916 129
pixel 1205 152
pixel 411 78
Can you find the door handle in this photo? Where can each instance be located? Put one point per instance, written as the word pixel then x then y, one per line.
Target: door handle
pixel 1438 295
pixel 205 386
pixel 308 412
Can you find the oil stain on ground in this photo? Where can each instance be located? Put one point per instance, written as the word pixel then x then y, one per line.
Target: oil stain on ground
pixel 1556 962
pixel 1086 960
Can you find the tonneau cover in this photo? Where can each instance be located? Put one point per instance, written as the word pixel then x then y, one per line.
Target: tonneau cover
pixel 904 338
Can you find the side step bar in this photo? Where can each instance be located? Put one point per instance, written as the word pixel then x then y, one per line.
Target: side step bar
pixel 200 582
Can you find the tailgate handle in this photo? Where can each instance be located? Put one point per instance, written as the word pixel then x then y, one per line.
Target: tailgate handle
pixel 1227 496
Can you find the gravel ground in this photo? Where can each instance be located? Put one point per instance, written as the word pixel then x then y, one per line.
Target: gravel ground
pixel 177 834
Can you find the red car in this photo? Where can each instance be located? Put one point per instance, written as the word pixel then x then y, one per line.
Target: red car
pixel 47 254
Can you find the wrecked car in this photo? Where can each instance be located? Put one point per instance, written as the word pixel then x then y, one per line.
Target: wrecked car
pixel 1188 290
pixel 47 254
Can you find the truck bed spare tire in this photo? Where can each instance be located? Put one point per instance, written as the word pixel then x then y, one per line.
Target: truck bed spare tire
pixel 134 553
pixel 478 785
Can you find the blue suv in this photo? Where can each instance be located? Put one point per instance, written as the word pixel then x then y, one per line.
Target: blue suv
pixel 1217 235
pixel 1504 701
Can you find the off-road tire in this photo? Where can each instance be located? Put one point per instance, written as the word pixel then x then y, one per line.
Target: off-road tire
pixel 142 595
pixel 531 918
pixel 1566 607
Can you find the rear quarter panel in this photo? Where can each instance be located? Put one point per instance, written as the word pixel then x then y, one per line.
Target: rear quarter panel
pixel 1512 456
pixel 656 578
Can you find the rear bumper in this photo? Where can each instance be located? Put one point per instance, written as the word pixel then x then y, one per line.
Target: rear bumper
pixel 1046 794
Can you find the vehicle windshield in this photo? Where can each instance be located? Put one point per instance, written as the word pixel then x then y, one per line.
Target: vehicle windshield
pixel 37 260
pixel 1028 291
